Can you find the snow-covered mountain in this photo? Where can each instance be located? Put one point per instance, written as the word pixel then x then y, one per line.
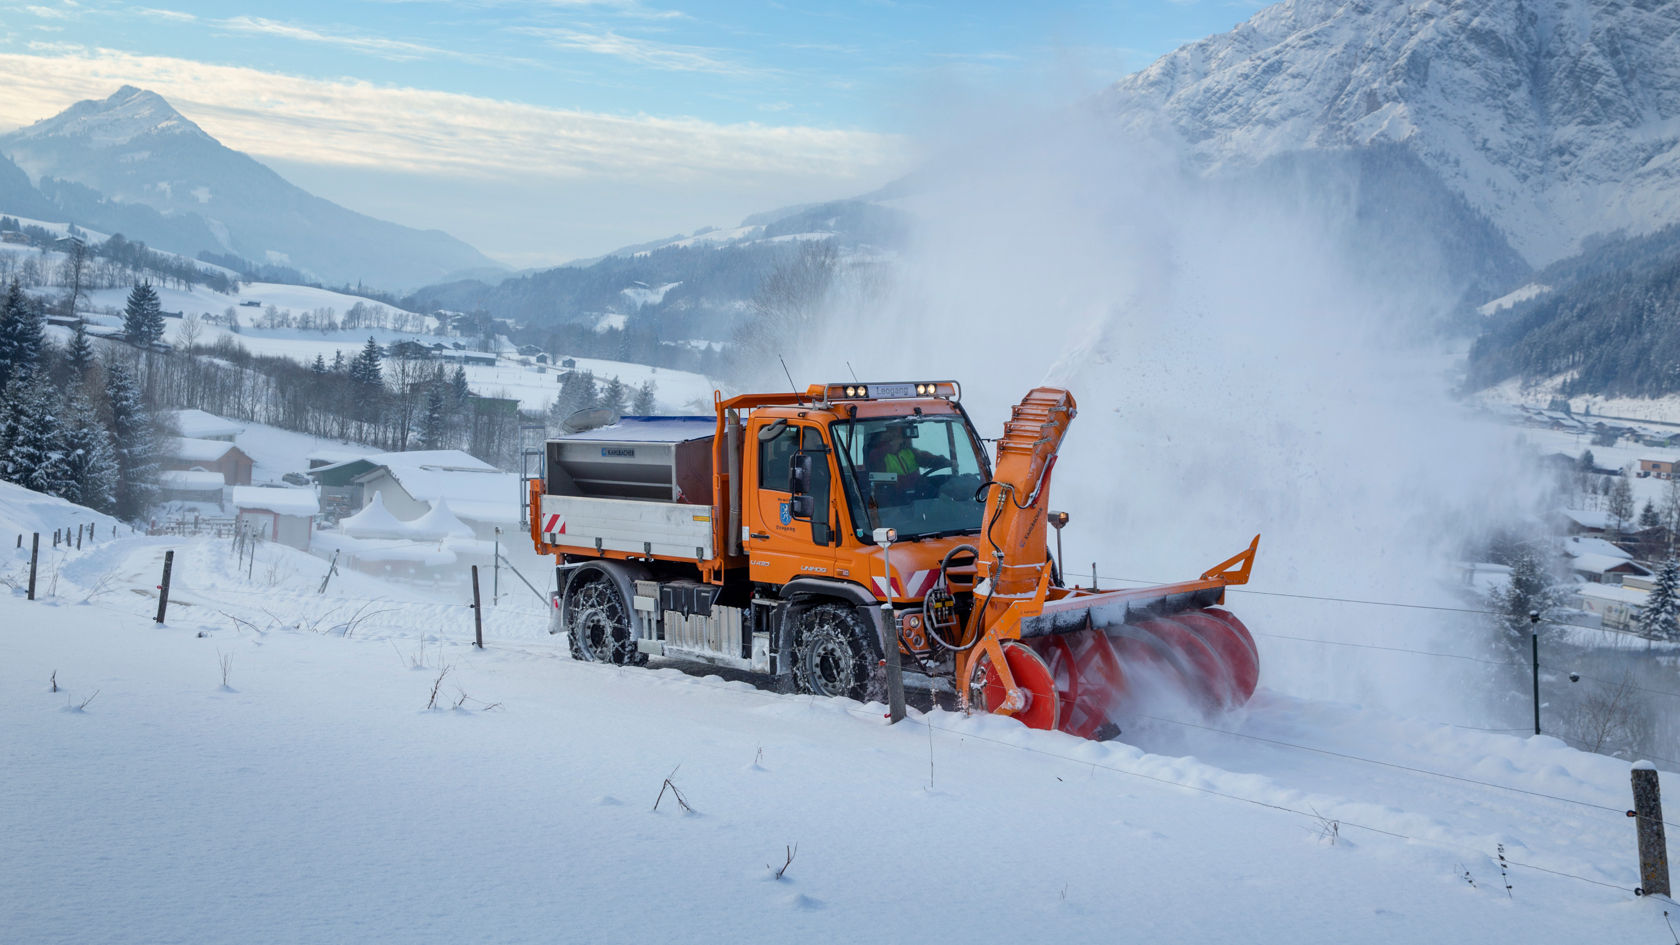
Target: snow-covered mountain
pixel 1557 119
pixel 132 163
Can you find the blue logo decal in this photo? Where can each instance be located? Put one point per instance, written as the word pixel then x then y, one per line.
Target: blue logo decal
pixel 787 513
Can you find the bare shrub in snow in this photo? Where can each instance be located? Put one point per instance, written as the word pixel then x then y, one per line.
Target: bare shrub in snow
pixel 436 685
pixel 1609 719
pixel 668 785
pixel 791 853
pixel 1329 831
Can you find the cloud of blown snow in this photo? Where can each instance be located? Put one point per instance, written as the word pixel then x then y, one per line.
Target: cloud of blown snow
pixel 1237 372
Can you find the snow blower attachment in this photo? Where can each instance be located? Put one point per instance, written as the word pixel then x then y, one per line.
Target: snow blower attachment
pixel 799 535
pixel 1073 659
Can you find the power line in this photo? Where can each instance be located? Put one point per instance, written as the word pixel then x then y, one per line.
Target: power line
pixel 1391 649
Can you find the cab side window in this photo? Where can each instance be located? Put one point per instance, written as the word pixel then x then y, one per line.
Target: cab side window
pixel 773 457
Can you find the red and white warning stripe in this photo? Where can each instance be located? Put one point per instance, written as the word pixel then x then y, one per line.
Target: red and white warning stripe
pixel 554 526
pixel 919 584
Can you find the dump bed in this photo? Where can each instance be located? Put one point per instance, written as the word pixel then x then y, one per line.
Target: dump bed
pixel 642 485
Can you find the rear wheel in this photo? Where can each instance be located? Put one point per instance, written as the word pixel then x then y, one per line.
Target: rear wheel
pixel 599 622
pixel 834 653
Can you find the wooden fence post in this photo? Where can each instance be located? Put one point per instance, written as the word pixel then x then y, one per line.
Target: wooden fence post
pixel 478 612
pixel 163 589
pixel 1653 843
pixel 34 559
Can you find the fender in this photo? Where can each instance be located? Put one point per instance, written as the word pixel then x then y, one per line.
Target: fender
pixel 623 577
pixel 801 592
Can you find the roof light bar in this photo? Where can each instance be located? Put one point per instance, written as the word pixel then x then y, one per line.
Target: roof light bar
pixel 893 390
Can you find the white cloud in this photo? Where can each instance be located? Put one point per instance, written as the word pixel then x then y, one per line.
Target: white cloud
pixel 175 16
pixel 394 49
pixel 356 124
pixel 643 52
pixel 66 12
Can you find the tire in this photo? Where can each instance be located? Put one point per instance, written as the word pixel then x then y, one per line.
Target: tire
pixel 599 622
pixel 835 652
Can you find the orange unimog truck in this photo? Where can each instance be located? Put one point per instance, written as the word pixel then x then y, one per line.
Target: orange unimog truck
pixel 797 534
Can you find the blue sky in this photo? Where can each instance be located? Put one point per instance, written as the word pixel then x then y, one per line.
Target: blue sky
pixel 590 123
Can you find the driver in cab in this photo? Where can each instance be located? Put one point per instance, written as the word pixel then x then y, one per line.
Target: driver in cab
pixel 893 459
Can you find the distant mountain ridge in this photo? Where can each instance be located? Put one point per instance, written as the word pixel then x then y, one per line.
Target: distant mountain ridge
pixel 1556 119
pixel 131 163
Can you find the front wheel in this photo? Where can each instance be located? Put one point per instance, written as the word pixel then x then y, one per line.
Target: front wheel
pixel 599 622
pixel 834 652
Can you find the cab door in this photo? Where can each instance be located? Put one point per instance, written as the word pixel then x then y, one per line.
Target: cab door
pixel 782 546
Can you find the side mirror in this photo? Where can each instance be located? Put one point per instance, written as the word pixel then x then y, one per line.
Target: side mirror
pixel 800 468
pixel 802 507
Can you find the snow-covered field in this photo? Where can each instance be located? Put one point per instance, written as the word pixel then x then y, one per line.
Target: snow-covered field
pixel 270 765
pixel 1658 409
pixel 533 385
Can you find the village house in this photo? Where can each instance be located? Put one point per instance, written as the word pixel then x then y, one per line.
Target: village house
pixel 217 456
pixel 1617 607
pixel 193 487
pixel 286 516
pixel 410 484
pixel 199 425
pixel 1660 468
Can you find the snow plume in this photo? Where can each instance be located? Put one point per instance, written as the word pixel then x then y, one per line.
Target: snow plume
pixel 1236 374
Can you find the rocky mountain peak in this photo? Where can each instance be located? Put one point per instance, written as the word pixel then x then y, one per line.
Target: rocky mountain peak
pixel 1557 119
pixel 127 115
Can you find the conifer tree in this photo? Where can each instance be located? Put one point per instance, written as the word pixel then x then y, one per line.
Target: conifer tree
pixel 1531 591
pixel 1648 517
pixel 143 316
pixel 35 455
pixel 365 369
pixel 458 389
pixel 577 392
pixel 1660 617
pixel 644 405
pixel 434 426
pixel 319 367
pixel 79 355
pixel 91 462
pixel 134 443
pixel 22 335
pixel 616 396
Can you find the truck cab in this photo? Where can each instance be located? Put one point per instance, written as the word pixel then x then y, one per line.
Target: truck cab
pixel 747 539
pixel 822 481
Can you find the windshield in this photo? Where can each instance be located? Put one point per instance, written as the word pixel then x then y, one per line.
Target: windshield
pixel 917 474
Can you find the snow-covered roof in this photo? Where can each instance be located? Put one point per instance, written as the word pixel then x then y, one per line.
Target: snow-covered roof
pixel 651 430
pixel 1588 518
pixel 191 480
pixel 1600 564
pixel 334 457
pixel 374 521
pixel 198 423
pixel 1579 545
pixel 198 451
pixel 1615 593
pixel 283 501
pixel 445 459
pixel 474 489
